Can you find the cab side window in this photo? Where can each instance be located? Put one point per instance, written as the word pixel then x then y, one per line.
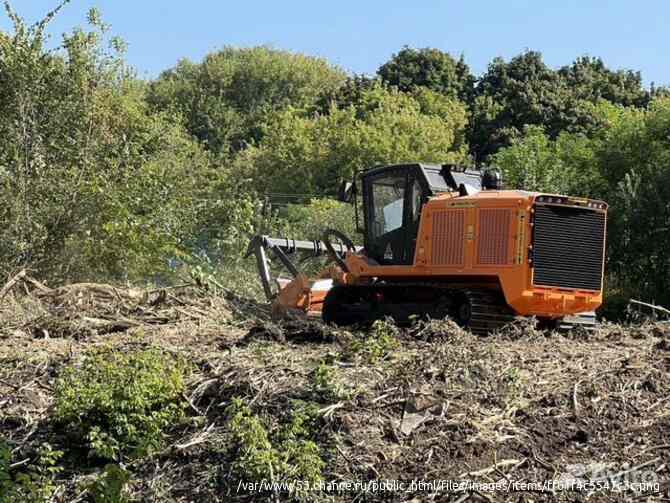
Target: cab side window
pixel 389 201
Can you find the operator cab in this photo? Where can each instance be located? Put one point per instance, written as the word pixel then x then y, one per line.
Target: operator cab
pixel 393 197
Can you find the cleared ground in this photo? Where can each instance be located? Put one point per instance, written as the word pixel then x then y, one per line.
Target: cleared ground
pixel 427 403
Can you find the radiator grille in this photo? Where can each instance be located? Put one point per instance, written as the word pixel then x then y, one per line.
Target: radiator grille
pixel 568 247
pixel 448 234
pixel 493 242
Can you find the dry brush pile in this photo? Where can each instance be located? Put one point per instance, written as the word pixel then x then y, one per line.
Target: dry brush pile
pixel 215 395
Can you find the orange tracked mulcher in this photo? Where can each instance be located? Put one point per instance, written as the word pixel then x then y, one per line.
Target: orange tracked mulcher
pixel 444 241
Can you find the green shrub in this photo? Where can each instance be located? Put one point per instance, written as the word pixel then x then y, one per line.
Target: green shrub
pixel 108 487
pixel 289 455
pixel 5 478
pixel 301 456
pixel 35 483
pixel 101 186
pixel 326 384
pixel 120 404
pixel 256 456
pixel 374 345
pixel 302 422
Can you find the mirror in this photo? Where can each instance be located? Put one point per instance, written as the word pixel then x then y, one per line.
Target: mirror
pixel 345 192
pixel 492 179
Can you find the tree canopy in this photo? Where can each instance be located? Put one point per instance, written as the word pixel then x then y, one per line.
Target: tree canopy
pixel 589 79
pixel 627 163
pixel 92 181
pixel 430 68
pixel 312 153
pixel 526 92
pixel 224 99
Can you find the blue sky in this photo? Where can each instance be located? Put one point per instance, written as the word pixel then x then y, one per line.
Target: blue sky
pixel 361 35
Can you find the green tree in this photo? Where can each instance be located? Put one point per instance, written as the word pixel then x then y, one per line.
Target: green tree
pixel 589 79
pixel 512 95
pixel 307 153
pixel 349 94
pixel 224 99
pixel 309 221
pixel 627 163
pixel 92 182
pixel 566 165
pixel 525 92
pixel 636 163
pixel 431 68
pixel 659 92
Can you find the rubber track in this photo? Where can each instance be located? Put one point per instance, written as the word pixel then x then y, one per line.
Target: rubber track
pixel 490 312
pixel 489 309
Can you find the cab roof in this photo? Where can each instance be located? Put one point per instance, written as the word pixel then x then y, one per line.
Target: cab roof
pixel 438 178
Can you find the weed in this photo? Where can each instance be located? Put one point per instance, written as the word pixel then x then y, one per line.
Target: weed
pixel 301 456
pixel 108 487
pixel 302 422
pixel 290 455
pixel 256 457
pixel 120 404
pixel 36 483
pixel 326 385
pixel 510 385
pixel 301 461
pixel 377 344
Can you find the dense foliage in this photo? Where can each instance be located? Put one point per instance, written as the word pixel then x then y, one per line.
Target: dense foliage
pixel 430 68
pixel 91 182
pixel 36 482
pixel 105 175
pixel 118 405
pixel 288 455
pixel 312 153
pixel 225 99
pixel 627 163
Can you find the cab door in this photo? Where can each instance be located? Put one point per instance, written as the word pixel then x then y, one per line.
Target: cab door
pixel 417 196
pixel 392 210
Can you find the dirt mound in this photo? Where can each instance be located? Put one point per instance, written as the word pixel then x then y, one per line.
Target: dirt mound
pixel 295 330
